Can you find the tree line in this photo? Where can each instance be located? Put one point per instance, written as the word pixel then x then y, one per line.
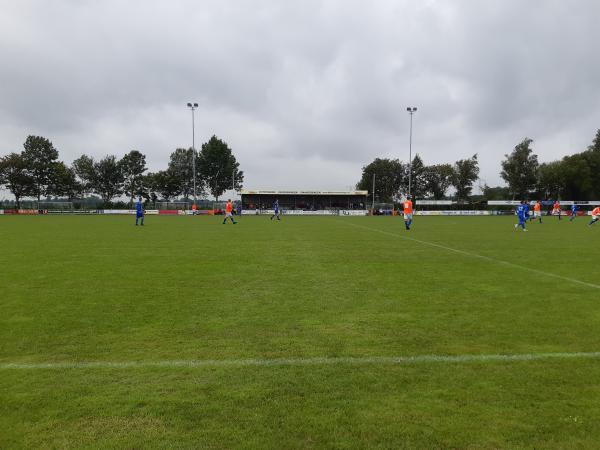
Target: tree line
pixel 572 177
pixel 392 179
pixel 37 173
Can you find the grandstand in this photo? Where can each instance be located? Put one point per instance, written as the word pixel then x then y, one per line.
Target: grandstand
pixel 297 202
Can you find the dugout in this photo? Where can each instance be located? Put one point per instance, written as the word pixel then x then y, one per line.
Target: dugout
pixel 304 200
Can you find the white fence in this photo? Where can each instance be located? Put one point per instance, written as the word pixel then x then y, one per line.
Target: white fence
pixel 148 212
pixel 299 212
pixel 453 213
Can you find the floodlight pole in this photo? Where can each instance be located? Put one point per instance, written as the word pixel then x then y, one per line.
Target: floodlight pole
pixel 411 110
pixel 193 106
pixel 373 205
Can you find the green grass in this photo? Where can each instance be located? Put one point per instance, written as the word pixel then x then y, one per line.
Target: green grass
pixel 94 289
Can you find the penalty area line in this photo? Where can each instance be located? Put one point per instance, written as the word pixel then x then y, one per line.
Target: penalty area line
pixel 485 258
pixel 296 362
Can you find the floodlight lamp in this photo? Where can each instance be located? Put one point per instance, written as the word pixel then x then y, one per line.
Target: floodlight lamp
pixel 189 105
pixel 195 105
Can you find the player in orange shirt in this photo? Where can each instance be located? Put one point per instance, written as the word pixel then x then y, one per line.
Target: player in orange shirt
pixel 556 209
pixel 408 212
pixel 229 212
pixel 537 211
pixel 595 216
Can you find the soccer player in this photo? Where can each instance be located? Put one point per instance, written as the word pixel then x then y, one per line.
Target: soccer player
pixel 573 212
pixel 556 209
pixel 537 211
pixel 228 212
pixel 595 214
pixel 408 212
pixel 139 211
pixel 276 210
pixel 522 215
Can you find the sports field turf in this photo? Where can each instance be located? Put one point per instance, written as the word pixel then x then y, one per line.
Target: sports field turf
pixel 191 334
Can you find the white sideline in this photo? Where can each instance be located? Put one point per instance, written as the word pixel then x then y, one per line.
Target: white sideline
pixel 486 258
pixel 318 361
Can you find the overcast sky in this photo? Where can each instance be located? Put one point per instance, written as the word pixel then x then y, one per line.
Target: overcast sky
pixel 304 92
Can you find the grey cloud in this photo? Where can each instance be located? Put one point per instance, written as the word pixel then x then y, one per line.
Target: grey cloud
pixel 292 85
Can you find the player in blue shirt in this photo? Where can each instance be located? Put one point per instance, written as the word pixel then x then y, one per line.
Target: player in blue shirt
pixel 522 212
pixel 573 212
pixel 139 211
pixel 276 210
pixel 526 212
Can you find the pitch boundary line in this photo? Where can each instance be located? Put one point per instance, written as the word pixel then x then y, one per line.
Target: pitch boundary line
pixel 295 362
pixel 486 258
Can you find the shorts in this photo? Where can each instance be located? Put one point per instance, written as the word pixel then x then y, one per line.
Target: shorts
pixel 228 214
pixel 407 216
pixel 594 217
pixel 537 214
pixel 139 215
pixel 556 211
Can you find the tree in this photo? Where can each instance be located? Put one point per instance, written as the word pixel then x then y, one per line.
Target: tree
pixel 519 170
pixel 418 178
pixel 39 156
pixel 133 166
pixel 165 184
pixel 389 178
pixel 15 176
pixel 181 168
pixel 218 167
pixel 466 172
pixel 64 182
pixel 438 178
pixel 551 180
pixel 592 156
pixel 578 177
pixel 595 147
pixel 495 193
pixel 84 168
pixel 108 178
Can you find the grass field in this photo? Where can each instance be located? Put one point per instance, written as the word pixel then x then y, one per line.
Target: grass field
pixel 189 334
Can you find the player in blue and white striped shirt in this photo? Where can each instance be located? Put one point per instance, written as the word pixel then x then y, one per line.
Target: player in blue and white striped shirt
pixel 522 213
pixel 276 210
pixel 573 212
pixel 139 211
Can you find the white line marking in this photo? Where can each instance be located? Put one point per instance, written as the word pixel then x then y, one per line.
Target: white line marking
pixel 486 258
pixel 318 361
